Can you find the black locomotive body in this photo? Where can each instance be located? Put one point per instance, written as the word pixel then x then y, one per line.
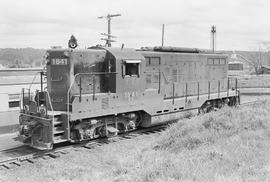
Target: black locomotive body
pixel 100 92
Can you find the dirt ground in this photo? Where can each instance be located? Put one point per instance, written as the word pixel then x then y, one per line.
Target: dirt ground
pixel 80 164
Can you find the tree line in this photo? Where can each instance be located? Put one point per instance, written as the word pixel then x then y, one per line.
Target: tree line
pixel 21 57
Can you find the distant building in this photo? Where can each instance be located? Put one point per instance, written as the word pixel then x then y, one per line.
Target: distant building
pixel 2 67
pixel 250 59
pixel 265 69
pixel 236 68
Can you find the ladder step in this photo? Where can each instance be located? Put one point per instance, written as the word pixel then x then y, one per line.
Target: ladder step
pixel 56 118
pixel 58 131
pixel 57 122
pixel 59 139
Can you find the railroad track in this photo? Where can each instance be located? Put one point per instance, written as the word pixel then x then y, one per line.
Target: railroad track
pixel 18 156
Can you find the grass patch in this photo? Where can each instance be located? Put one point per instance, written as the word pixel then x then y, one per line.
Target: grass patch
pixel 231 144
pixel 209 128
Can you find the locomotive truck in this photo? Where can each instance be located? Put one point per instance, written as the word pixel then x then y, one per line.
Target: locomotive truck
pixel 103 91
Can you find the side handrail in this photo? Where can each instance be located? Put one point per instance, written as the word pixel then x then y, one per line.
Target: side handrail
pixel 22 98
pixel 37 92
pixel 73 81
pixel 50 102
pixel 207 86
pixel 49 97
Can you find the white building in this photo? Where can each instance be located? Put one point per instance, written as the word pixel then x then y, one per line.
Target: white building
pixel 12 81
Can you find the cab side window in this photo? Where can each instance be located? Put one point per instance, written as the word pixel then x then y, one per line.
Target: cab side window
pixel 131 68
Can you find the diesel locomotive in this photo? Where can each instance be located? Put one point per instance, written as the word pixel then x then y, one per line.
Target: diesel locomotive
pixel 103 91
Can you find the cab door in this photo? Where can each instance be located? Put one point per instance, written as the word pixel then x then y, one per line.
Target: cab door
pixel 132 80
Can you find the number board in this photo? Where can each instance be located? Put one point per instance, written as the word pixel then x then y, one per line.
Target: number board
pixel 59 61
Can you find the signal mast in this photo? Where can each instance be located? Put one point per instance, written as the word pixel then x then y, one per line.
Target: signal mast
pixel 108 35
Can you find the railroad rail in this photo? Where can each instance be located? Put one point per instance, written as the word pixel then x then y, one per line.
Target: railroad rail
pixel 17 156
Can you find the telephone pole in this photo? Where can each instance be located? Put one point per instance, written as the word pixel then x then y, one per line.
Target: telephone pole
pixel 213 37
pixel 108 34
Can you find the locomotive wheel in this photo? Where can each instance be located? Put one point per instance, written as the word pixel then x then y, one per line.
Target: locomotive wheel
pixel 220 104
pixel 211 106
pixel 108 131
pixel 207 107
pixel 139 119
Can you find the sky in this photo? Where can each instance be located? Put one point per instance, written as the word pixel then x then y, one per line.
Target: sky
pixel 241 24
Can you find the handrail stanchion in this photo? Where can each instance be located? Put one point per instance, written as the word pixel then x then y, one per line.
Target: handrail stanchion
pixel 228 85
pixel 186 90
pixel 218 88
pixel 37 93
pixel 208 89
pixel 198 96
pixel 94 87
pixel 41 81
pixel 236 86
pixel 159 80
pixel 29 96
pixel 173 90
pixel 46 104
pixel 80 83
pixel 23 100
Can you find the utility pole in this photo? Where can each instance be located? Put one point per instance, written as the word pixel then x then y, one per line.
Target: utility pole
pixel 213 38
pixel 162 39
pixel 108 35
